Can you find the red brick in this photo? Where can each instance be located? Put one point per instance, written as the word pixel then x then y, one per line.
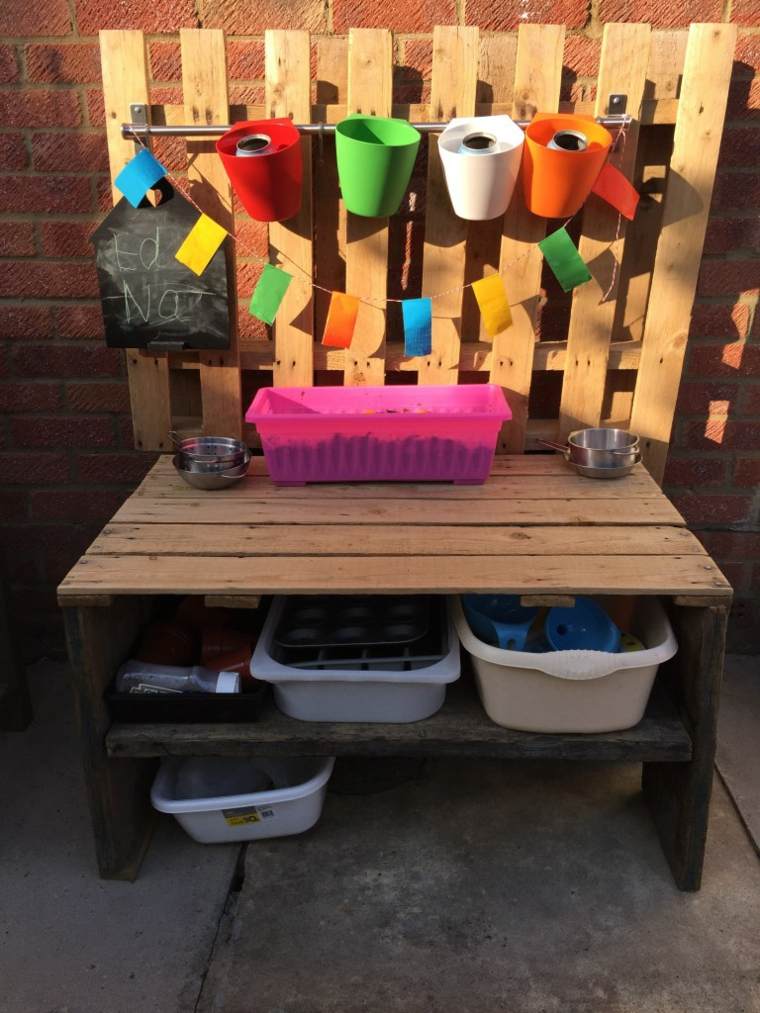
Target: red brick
pixel 166 95
pixel 96 111
pixel 710 320
pixel 694 471
pixel 24 322
pixel 45 194
pixel 731 544
pixel 48 279
pixel 121 468
pixel 582 55
pixel 91 506
pixel 20 17
pixel 729 277
pixel 743 99
pixel 13 505
pixel 103 193
pixel 504 17
pixel 721 434
pixel 675 14
pixel 20 553
pixel 714 509
pixel 740 147
pixel 418 58
pixel 67 239
pixel 697 398
pixel 252 238
pixel 249 327
pixel 732 360
pixel 8 65
pixel 165 61
pixel 70 63
pixel 29 397
pixel 34 468
pixel 732 235
pixel 171 153
pixel 78 320
pixel 250 19
pixel 737 575
pixel 245 60
pixel 39 109
pixel 62 431
pixel 75 152
pixel 745 12
pixel 13 153
pixel 247 94
pixel 66 360
pixel 749 401
pixel 98 396
pixel 747 472
pixel 747 55
pixel 149 15
pixel 17 239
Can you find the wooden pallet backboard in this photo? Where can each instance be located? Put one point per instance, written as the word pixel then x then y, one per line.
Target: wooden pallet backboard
pixel 632 320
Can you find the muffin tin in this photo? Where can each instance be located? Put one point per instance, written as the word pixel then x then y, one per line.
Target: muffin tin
pixel 348 622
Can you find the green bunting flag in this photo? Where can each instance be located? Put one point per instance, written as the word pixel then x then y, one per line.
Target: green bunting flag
pixel 563 258
pixel 269 293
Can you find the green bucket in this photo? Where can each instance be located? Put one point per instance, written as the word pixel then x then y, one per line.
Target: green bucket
pixel 375 160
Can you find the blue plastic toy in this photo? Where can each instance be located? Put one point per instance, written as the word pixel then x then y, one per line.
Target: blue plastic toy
pixel 499 619
pixel 585 627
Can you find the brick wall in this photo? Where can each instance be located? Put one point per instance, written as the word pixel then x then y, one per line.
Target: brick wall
pixel 66 461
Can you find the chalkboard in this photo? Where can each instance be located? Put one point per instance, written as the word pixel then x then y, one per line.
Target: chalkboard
pixel 148 297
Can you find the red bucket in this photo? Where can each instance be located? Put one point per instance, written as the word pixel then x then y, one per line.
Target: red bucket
pixel 268 179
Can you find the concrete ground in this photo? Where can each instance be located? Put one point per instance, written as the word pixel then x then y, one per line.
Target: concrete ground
pixel 466 888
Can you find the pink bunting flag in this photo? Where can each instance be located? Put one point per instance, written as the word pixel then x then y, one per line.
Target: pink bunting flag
pixel 612 186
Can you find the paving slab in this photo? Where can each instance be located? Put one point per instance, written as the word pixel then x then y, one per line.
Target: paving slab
pixel 482 886
pixel 70 942
pixel 739 738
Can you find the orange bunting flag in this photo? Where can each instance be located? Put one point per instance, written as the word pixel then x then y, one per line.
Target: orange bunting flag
pixel 612 186
pixel 341 320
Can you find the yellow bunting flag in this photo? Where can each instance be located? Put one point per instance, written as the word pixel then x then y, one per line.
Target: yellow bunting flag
pixel 200 245
pixel 492 300
pixel 341 320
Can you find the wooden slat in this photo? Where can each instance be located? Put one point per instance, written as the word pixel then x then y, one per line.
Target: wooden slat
pixel 538 77
pixel 622 70
pixel 701 113
pixel 454 84
pixel 204 86
pixel 288 93
pixel 396 575
pixel 214 509
pixel 460 728
pixel 370 91
pixel 125 80
pixel 381 540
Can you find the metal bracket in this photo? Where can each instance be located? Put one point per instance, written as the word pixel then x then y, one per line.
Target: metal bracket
pixel 139 113
pixel 167 345
pixel 616 104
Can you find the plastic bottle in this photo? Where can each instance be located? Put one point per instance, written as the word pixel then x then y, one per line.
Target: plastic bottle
pixel 144 677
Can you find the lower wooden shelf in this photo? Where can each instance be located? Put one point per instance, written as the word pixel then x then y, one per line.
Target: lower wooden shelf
pixel 460 728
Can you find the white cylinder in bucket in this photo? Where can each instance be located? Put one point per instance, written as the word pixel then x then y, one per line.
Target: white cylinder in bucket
pixel 252 145
pixel 568 140
pixel 481 160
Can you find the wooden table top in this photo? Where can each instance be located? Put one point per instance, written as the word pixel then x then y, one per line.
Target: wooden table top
pixel 534 528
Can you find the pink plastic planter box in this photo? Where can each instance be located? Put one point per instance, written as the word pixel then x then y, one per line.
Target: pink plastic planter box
pixel 379 434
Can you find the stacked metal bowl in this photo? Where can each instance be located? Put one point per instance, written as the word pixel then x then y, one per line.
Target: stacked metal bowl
pixel 211 462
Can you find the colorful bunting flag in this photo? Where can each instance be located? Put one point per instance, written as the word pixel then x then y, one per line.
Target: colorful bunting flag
pixel 418 323
pixel 615 188
pixel 493 303
pixel 341 320
pixel 563 258
pixel 200 245
pixel 138 176
pixel 269 293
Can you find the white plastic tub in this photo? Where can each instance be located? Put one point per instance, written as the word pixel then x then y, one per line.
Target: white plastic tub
pixel 219 799
pixel 570 691
pixel 340 694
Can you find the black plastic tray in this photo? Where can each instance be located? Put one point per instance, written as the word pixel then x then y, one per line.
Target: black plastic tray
pixel 185 708
pixel 348 621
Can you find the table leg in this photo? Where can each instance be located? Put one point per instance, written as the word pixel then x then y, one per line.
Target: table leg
pixel 678 794
pixel 118 790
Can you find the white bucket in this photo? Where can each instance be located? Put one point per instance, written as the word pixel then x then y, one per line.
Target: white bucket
pixel 218 799
pixel 570 691
pixel 481 182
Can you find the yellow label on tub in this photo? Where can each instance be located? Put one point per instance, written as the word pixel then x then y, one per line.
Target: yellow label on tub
pixel 239 817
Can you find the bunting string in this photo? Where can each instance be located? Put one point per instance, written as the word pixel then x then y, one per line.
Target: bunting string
pixel 380 303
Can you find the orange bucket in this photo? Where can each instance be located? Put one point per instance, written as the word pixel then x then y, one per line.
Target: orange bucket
pixel 556 182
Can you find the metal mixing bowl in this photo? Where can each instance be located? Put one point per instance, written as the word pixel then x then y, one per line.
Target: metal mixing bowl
pixel 220 479
pixel 603 448
pixel 209 453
